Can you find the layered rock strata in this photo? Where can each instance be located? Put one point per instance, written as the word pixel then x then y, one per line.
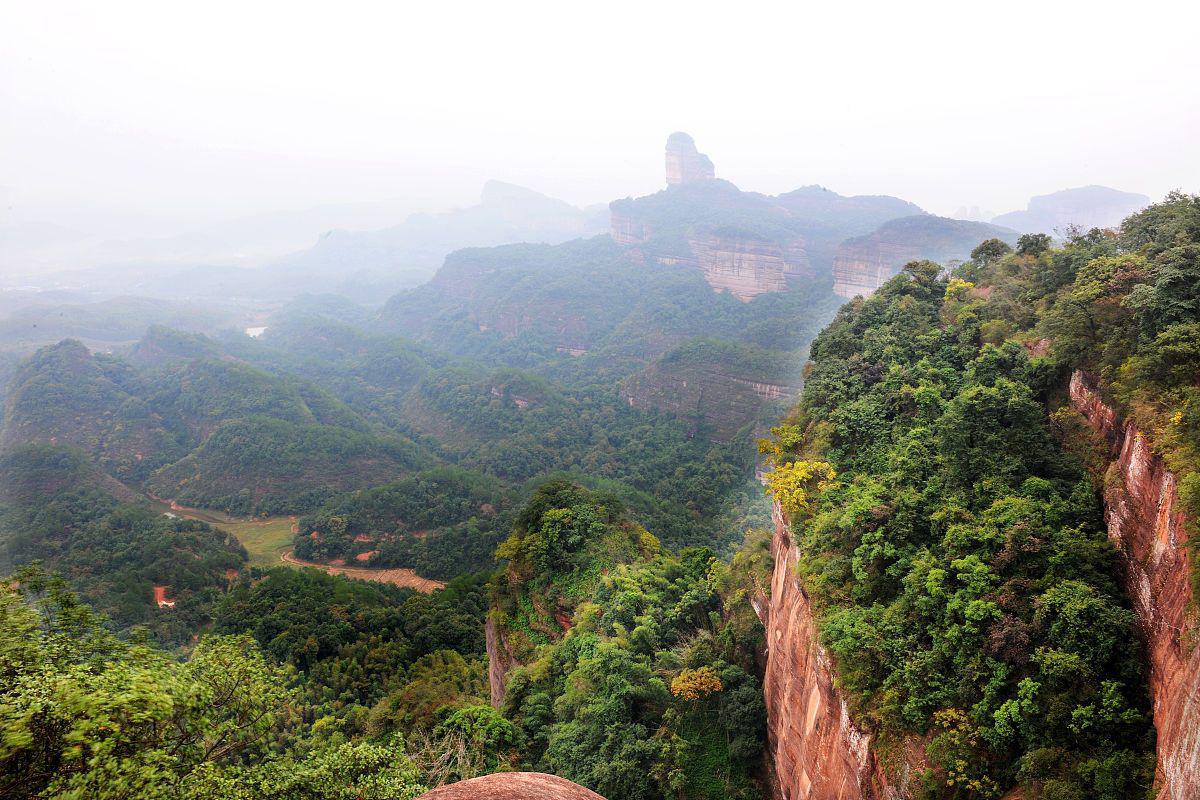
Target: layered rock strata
pixel 1147 524
pixel 709 396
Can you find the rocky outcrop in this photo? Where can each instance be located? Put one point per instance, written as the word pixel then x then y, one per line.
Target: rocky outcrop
pixel 708 394
pixel 684 163
pixel 747 267
pixel 865 263
pixel 627 231
pixel 816 750
pixel 500 661
pixel 744 266
pixel 513 786
pixel 1146 523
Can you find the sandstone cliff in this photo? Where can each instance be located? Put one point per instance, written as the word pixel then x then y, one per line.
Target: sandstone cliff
pixel 815 749
pixel 500 661
pixel 513 786
pixel 684 163
pixel 710 385
pixel 747 267
pixel 743 265
pixel 1147 525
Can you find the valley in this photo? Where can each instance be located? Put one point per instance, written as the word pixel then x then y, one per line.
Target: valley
pixel 495 504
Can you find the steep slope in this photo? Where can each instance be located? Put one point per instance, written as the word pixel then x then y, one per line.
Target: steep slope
pixel 717 386
pixel 265 465
pixel 209 430
pixel 625 668
pixel 943 564
pixel 64 394
pixel 1146 520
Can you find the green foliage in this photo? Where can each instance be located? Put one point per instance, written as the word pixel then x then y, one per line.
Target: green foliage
pixel 965 584
pixel 440 522
pixel 58 511
pixel 597 705
pixel 292 467
pixel 353 641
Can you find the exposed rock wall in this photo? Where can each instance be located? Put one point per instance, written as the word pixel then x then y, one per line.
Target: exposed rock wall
pixel 500 661
pixel 684 163
pixel 742 266
pixel 627 231
pixel 747 268
pixel 513 786
pixel 1147 525
pixel 862 266
pixel 865 263
pixel 707 394
pixel 817 751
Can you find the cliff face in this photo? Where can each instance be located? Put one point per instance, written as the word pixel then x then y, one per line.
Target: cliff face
pixel 741 265
pixel 746 267
pixel 817 751
pixel 500 661
pixel 626 230
pixel 863 265
pixel 684 163
pixel 710 395
pixel 1147 525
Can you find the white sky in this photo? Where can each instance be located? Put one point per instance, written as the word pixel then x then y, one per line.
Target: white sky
pixel 171 115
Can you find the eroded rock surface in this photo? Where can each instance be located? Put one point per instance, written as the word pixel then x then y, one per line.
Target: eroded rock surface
pixel 684 163
pixel 1146 523
pixel 513 786
pixel 816 750
pixel 500 661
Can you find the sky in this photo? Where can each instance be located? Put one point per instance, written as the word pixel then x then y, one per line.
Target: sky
pixel 147 118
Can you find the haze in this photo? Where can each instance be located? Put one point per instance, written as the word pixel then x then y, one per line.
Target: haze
pixel 151 119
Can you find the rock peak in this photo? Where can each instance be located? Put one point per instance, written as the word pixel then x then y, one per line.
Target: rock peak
pixel 684 163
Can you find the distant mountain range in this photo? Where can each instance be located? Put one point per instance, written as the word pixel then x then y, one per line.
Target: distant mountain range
pixel 1085 207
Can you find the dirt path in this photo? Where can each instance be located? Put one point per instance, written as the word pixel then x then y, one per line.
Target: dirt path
pixel 396 577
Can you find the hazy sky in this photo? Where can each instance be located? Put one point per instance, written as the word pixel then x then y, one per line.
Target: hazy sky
pixel 173 114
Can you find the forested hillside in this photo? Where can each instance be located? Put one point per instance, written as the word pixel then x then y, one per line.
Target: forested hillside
pixel 946 502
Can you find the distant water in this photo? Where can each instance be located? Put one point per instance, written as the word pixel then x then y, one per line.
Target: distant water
pixel 254 333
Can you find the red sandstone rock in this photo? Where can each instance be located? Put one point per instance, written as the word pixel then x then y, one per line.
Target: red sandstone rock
pixel 747 268
pixel 500 661
pixel 1147 525
pixel 513 786
pixel 816 750
pixel 684 163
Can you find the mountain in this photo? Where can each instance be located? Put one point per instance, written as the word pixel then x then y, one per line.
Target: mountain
pixel 1086 207
pixel 865 263
pixel 353 263
pixel 187 421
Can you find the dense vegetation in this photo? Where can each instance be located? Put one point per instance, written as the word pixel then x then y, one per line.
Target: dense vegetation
pixel 57 509
pixel 440 522
pixel 372 658
pixel 1124 308
pixel 90 715
pixel 950 528
pixel 637 676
